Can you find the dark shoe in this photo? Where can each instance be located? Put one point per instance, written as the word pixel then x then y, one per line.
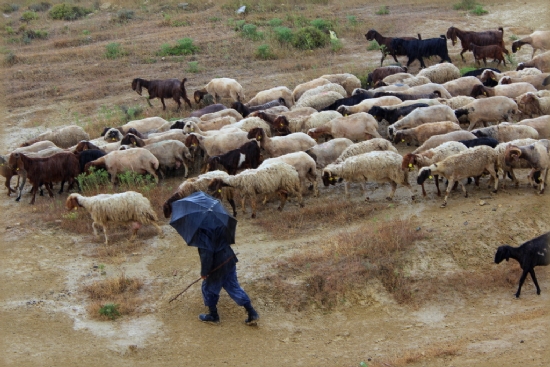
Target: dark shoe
pixel 253 318
pixel 215 319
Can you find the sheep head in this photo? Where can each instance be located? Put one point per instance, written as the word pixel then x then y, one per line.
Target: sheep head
pixel 192 142
pixel 178 124
pixel 212 163
pixel 478 90
pixel 15 161
pixel 370 35
pixel 189 127
pixel 280 122
pixel 136 85
pixel 199 95
pixel 131 139
pixel 256 133
pixel 451 34
pixel 521 66
pixel 328 178
pixel 424 174
pixel 400 137
pixel 72 202
pixel 516 46
pixel 215 187
pixel 512 153
pixel 503 253
pixel 112 135
pixel 505 80
pixel 409 161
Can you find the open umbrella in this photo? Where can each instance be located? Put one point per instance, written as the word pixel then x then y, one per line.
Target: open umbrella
pixel 202 221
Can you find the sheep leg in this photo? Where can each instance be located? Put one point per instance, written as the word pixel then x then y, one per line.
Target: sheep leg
pixel 33 192
pixel 298 194
pixel 532 272
pixel 159 230
pixel 148 99
pixel 243 204
pixel 135 227
pixel 436 181
pixel 253 205
pixel 232 203
pixel 283 195
pixel 449 188
pixel 393 188
pixel 49 187
pixel 24 175
pixel 163 105
pixel 462 54
pixel 346 189
pixel 423 190
pixel 105 233
pixel 521 280
pixel 94 228
pixel 485 61
pixel 463 188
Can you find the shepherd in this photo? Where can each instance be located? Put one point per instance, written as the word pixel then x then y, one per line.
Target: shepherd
pixel 204 223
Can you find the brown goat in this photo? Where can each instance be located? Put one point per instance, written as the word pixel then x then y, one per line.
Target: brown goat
pixel 169 88
pixel 483 52
pixel 484 38
pixel 60 167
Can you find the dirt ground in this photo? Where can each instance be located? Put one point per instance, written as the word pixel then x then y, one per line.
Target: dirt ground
pixel 43 319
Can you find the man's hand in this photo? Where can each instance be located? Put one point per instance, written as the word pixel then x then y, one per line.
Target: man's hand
pixel 203 277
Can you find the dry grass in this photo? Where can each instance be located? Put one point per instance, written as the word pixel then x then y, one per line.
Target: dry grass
pixel 429 352
pixel 121 291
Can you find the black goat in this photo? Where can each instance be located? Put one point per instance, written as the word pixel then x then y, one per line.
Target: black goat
pixel 245 110
pixel 89 155
pixel 408 97
pixel 247 156
pixel 169 88
pixel 532 253
pixel 391 115
pixel 348 101
pixel 386 44
pixel 492 142
pixel 418 49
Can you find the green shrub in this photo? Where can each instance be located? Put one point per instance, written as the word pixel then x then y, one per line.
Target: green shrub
pixel 36 34
pixel 124 15
pixel 336 45
pixel 110 310
pixel 68 12
pixel 275 22
pixel 193 67
pixel 183 46
pixel 465 5
pixel 114 50
pixel 384 10
pixel 321 24
pixel 239 24
pixel 478 10
pixel 94 181
pixel 373 46
pixel 250 31
pixel 180 23
pixel 513 37
pixel 9 30
pixel 43 6
pixel 264 52
pixel 10 59
pixel 308 38
pixel 283 34
pixel 28 16
pixel 511 59
pixel 9 8
pixel 130 180
pixel 352 20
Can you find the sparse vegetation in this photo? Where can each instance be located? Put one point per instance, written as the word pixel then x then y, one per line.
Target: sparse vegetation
pixel 68 12
pixel 384 10
pixel 336 45
pixel 513 37
pixel 124 15
pixel 193 67
pixel 40 7
pixel 275 22
pixel 250 31
pixel 283 34
pixel 264 52
pixel 309 38
pixel 28 16
pixel 479 10
pixel 465 5
pixel 9 8
pixel 184 46
pixel 373 46
pixel 114 50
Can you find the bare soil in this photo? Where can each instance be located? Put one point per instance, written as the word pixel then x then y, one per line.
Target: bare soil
pixel 43 317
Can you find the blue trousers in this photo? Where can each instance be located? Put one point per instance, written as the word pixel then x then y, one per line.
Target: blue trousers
pixel 211 289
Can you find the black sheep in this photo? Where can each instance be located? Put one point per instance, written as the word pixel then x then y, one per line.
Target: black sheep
pixel 391 115
pixel 169 88
pixel 247 110
pixel 418 49
pixel 535 252
pixel 408 97
pixel 348 101
pixel 478 72
pixel 89 155
pixel 492 142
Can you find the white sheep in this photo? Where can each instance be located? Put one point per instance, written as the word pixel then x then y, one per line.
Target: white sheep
pixel 375 166
pixel 536 81
pixel 456 102
pixel 507 132
pixel 228 112
pixel 170 154
pixel 147 125
pixel 530 104
pixel 247 124
pixel 541 124
pixel 301 88
pixel 330 87
pixel 138 160
pixel 367 104
pixel 277 177
pixel 376 144
pixel 440 73
pixel 537 156
pixel 346 80
pixel 505 90
pixel 295 118
pixel 35 147
pixel 462 86
pixel 397 78
pixel 221 88
pixel 318 101
pixel 489 74
pixel 416 80
pixel 303 163
pixel 428 89
pixel 492 109
pixel 471 162
pixel 192 127
pixel 280 145
pixel 421 116
pixel 107 209
pixel 271 95
pixel 539 40
pixel 541 62
pixel 217 144
pixel 328 152
pixel 63 137
pixel 358 127
pixel 437 140
pixel 419 134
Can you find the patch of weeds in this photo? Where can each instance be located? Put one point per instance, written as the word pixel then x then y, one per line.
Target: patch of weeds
pixel 322 24
pixel 283 34
pixel 239 24
pixel 9 8
pixel 373 46
pixel 275 22
pixel 134 181
pixel 133 112
pixel 264 52
pixel 183 46
pixel 466 69
pixel 94 181
pixel 297 20
pixel 124 15
pixel 38 34
pixel 336 45
pixel 384 10
pixel 166 20
pixel 479 10
pixel 309 38
pixel 68 12
pixel 86 32
pixel 513 37
pixel 214 19
pixel 10 59
pixel 43 6
pixel 110 310
pixel 193 67
pixel 250 31
pixel 465 5
pixel 9 30
pixel 28 16
pixel 180 23
pixel 511 59
pixel 114 51
pixel 352 20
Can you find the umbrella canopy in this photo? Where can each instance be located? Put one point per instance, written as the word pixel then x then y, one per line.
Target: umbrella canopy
pixel 202 221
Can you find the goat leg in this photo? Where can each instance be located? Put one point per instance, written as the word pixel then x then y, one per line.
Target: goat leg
pixel 532 272
pixel 521 280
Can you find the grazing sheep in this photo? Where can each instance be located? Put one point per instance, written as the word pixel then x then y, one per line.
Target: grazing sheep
pixel 541 124
pixel 431 156
pixel 246 156
pixel 292 120
pixel 418 135
pixel 277 177
pixel 348 101
pixel 491 78
pixel 418 49
pixel 492 109
pixel 414 81
pixel 507 90
pixel 331 87
pixel 539 40
pixel 470 143
pixel 535 252
pixel 346 80
pixel 280 145
pixel 507 132
pixel 192 127
pixel 429 88
pixel 357 127
pixel 380 73
pixel 106 209
pixel 541 62
pixel 440 73
pixel 538 157
pixel 376 144
pixel 171 154
pixel 483 38
pixel 221 88
pixel 483 52
pixel 477 72
pixel 437 140
pixel 530 104
pixel 302 88
pixel 408 96
pixel 318 101
pixel 327 153
pixel 248 124
pixel 536 81
pixel 214 124
pixel 468 163
pixel 387 43
pixel 304 165
pixel 88 155
pixel 217 144
pixel 144 126
pixel 507 168
pixel 272 94
pixel 421 116
pixel 224 113
pixel 63 137
pixel 375 166
pixel 169 88
pixel 457 102
pixel 395 78
pixel 245 111
pixel 139 160
pixel 318 119
pixel 208 109
pixel 199 183
pixel 462 86
pixel 367 104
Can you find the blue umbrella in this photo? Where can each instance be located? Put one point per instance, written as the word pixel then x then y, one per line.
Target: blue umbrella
pixel 202 221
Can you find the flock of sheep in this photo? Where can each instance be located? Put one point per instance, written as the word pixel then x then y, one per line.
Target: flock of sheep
pixel 282 139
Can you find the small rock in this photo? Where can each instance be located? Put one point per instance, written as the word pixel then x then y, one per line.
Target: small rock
pixel 494 209
pixel 482 202
pixel 521 341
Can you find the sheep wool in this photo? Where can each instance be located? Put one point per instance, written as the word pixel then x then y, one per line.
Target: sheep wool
pixel 376 144
pixel 507 132
pixel 63 137
pixel 318 101
pixel 326 153
pixel 331 87
pixel 456 102
pixel 302 88
pixel 346 80
pixel 318 119
pixel 272 94
pixel 105 209
pixel 440 73
pixel 249 123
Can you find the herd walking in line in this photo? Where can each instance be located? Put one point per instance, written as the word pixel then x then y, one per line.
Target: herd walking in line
pixel 329 129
